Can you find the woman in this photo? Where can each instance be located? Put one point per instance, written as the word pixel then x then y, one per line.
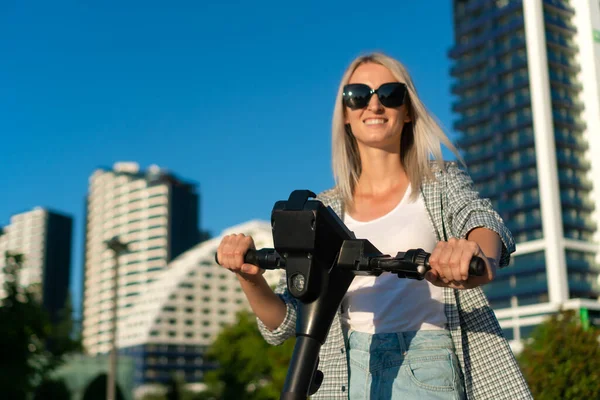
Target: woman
pixel 400 338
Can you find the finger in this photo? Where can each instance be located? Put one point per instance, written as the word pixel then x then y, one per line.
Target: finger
pixel 219 252
pixel 251 269
pixel 239 250
pixel 444 264
pixel 432 276
pixel 472 249
pixel 434 258
pixel 230 253
pixel 455 261
pixel 224 251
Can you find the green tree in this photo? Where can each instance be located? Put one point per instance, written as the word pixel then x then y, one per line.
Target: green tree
pixel 30 345
pixel 247 367
pixel 562 359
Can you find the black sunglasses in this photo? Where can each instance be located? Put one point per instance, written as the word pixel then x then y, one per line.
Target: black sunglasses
pixel 358 95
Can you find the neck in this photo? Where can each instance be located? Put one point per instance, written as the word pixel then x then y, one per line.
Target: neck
pixel 381 171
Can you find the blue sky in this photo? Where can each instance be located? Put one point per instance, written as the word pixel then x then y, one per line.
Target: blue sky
pixel 236 96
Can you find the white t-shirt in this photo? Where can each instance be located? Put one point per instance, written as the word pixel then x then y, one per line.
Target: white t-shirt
pixel 387 303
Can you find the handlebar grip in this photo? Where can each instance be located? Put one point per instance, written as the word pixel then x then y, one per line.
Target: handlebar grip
pixel 249 258
pixel 477 266
pixel 263 258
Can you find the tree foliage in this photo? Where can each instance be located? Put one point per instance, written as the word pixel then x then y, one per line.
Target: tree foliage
pixel 30 345
pixel 562 359
pixel 247 367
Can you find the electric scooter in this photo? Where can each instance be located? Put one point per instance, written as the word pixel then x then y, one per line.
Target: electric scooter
pixel 321 257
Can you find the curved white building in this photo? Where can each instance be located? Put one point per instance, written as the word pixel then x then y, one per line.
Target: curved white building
pixel 172 322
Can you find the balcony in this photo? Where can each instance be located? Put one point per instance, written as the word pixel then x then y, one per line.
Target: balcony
pixel 466 122
pixel 526 182
pixel 578 222
pixel 574 181
pixel 481 178
pixel 561 43
pixel 574 264
pixel 522 142
pixel 519 103
pixel 473 157
pixel 562 61
pixel 565 81
pixel 578 203
pixel 464 84
pixel 528 224
pixel 567 102
pixel 559 5
pixel 462 105
pixel 461 66
pixel 525 161
pixel 572 161
pixel 469 25
pixel 568 120
pixel 462 49
pixel 529 202
pixel 520 122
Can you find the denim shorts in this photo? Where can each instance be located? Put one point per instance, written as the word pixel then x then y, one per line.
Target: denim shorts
pixel 408 365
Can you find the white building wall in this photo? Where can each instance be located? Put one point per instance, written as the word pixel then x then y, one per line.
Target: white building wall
pixel 545 151
pixel 193 298
pixel 587 20
pixel 126 206
pixel 25 235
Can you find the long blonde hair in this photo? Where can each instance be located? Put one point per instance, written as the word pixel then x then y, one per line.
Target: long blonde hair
pixel 421 138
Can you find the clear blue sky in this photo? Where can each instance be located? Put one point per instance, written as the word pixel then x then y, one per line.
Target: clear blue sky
pixel 236 96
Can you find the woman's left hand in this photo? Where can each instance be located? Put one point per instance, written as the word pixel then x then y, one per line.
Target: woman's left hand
pixel 449 263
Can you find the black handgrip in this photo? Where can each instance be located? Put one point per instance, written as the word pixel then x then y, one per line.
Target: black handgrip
pixel 263 258
pixel 476 266
pixel 249 258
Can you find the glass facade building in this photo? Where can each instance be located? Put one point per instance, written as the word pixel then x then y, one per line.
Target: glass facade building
pixel 528 119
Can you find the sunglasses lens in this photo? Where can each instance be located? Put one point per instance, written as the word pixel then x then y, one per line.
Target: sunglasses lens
pixel 392 94
pixel 356 96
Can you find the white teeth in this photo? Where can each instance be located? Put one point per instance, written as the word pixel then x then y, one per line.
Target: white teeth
pixel 374 121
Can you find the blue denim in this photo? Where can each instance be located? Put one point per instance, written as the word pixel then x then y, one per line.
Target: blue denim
pixel 408 365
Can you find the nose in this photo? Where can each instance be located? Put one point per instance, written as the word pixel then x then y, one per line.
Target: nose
pixel 374 104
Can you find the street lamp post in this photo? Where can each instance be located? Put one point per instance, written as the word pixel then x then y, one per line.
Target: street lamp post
pixel 118 248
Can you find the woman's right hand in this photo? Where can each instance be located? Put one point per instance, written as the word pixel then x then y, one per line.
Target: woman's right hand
pixel 230 255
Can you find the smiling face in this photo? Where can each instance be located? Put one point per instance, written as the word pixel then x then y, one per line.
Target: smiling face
pixel 375 125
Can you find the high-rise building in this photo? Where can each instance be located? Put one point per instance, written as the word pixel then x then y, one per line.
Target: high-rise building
pixel 152 211
pixel 44 238
pixel 527 92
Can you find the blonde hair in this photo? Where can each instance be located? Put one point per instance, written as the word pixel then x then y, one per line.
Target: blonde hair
pixel 421 138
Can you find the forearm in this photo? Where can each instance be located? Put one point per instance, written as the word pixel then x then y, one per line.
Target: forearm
pixel 490 244
pixel 267 306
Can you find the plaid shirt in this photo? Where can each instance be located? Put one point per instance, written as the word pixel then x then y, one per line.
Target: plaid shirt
pixel 489 367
